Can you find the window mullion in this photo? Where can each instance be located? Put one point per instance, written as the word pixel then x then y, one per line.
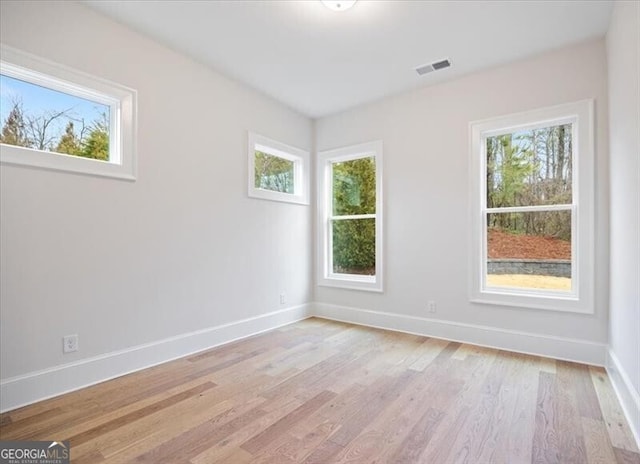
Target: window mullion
pixel 529 209
pixel 352 216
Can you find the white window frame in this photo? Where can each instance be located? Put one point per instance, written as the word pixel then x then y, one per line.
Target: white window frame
pixel 300 159
pixel 326 276
pixel 581 297
pixel 121 101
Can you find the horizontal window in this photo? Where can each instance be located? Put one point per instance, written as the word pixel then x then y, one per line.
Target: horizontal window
pixel 277 171
pixel 57 118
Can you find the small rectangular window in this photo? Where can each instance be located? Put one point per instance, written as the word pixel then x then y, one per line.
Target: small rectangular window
pixel 533 227
pixel 274 173
pixel 44 119
pixel 277 171
pixel 57 118
pixel 350 207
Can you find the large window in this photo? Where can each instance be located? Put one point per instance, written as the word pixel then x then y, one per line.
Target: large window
pixel 57 118
pixel 350 217
pixel 532 199
pixel 277 171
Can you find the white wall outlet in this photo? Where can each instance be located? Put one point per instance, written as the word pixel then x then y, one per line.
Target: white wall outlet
pixel 70 343
pixel 431 306
pixel 283 298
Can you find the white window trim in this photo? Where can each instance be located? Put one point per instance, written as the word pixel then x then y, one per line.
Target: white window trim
pixel 121 100
pixel 300 160
pixel 581 298
pixel 326 277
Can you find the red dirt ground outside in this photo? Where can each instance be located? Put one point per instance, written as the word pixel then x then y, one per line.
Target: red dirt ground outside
pixel 503 245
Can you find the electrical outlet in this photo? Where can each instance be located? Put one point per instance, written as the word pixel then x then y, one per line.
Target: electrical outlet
pixel 70 343
pixel 283 298
pixel 431 306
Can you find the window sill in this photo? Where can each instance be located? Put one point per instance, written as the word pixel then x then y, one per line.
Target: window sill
pixel 20 156
pixel 569 303
pixel 352 282
pixel 278 196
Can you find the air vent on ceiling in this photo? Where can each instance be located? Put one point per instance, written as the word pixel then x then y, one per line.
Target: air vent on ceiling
pixel 435 66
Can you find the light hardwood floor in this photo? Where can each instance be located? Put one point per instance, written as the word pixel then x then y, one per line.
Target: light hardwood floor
pixel 326 392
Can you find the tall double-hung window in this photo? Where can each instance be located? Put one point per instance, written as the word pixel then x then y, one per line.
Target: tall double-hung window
pixel 350 217
pixel 532 209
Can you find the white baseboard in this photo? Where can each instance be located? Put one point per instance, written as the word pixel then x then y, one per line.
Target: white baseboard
pixel 522 342
pixel 628 396
pixel 36 386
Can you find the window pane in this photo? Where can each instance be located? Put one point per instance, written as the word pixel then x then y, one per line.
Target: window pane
pixel 273 173
pixel 354 187
pixel 354 246
pixel 529 250
pixel 40 118
pixel 530 167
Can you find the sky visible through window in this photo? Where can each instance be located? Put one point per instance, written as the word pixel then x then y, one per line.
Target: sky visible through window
pixel 37 100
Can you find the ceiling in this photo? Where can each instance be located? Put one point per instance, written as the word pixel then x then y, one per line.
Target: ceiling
pixel 319 61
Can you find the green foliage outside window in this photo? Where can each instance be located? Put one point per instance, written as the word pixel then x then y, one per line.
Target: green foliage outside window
pixel 273 173
pixel 36 131
pixel 531 168
pixel 354 193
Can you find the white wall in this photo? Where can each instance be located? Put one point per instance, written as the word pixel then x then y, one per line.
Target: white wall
pixel 181 249
pixel 623 51
pixel 426 153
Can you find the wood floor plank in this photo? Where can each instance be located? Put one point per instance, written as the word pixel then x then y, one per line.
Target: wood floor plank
pixel 136 415
pixel 311 375
pixel 375 405
pixel 248 409
pixel 91 421
pixel 134 438
pixel 519 446
pixel 239 456
pixel 5 419
pixel 435 451
pixel 92 458
pixel 588 404
pixel 478 437
pixel 193 441
pixel 235 436
pixel 546 447
pixel 323 392
pixel 619 431
pixel 599 449
pixel 430 350
pixel 125 447
pixel 324 453
pixel 287 422
pixel 438 386
pixel 475 372
pixel 418 438
pixel 508 438
pixel 547 365
pixel 333 413
pixel 571 440
pixel 626 457
pixel 11 429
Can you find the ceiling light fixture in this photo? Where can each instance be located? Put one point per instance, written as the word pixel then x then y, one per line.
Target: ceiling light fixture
pixel 339 5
